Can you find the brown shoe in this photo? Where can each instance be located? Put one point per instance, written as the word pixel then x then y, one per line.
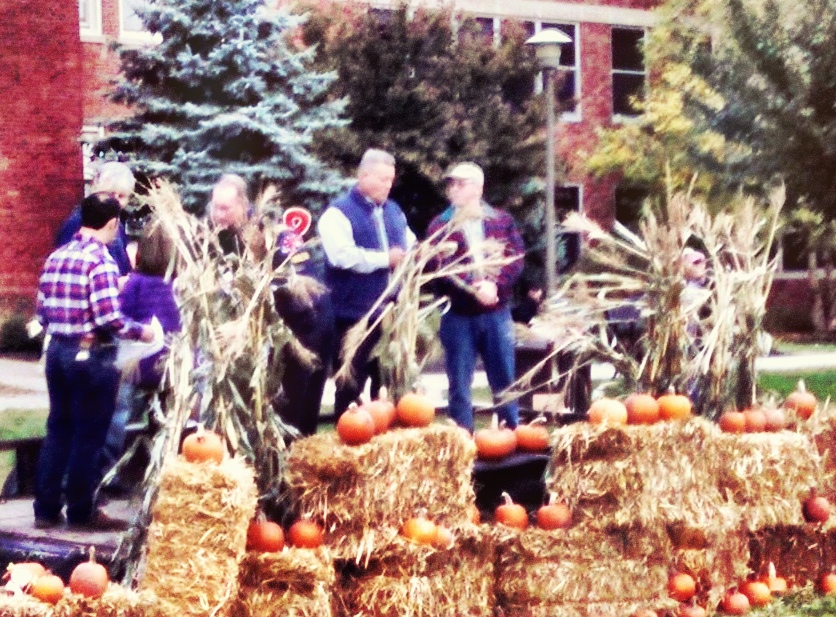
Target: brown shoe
pixel 100 521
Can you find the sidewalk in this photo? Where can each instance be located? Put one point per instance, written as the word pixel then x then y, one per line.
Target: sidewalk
pixel 23 386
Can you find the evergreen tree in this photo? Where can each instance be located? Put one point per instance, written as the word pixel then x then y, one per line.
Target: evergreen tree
pixel 434 94
pixel 229 89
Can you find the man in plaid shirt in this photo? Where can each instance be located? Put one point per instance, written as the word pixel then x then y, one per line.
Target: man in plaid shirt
pixel 78 303
pixel 479 319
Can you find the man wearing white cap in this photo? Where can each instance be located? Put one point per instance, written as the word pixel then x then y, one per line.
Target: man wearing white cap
pixel 479 320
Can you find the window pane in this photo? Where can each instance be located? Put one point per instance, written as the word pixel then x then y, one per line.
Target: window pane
pixel 84 13
pixel 567 50
pixel 624 86
pixel 510 26
pixel 566 93
pixel 627 49
pixel 131 22
pixel 566 199
pixel 628 205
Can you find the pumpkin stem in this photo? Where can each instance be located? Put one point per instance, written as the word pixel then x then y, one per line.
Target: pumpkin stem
pixel 801 387
pixel 495 422
pixel 507 498
pixel 541 419
pixel 92 553
pixel 383 394
pixel 670 390
pixel 771 572
pixel 552 498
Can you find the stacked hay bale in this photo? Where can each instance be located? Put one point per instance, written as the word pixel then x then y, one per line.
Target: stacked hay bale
pixel 362 495
pixel 649 496
pixel 198 534
pixel 117 601
pixel 291 582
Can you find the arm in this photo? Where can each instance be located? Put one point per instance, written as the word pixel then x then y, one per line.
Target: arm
pixel 104 303
pixel 514 247
pixel 338 243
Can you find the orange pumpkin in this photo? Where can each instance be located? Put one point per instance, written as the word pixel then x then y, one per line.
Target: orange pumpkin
pixel 607 410
pixel 827 583
pixel 681 586
pixel 22 574
pixel 732 422
pixel 264 536
pixel 816 509
pixel 473 514
pixel 444 538
pixel 777 584
pixel 305 533
pixel 382 411
pixel 511 514
pixel 415 410
pixel 355 426
pixel 494 442
pixel 735 603
pixel 776 419
pixel 554 515
pixel 755 420
pixel 420 529
pixel 532 437
pixel 202 446
pixel 803 403
pixel 690 610
pixel 47 588
pixel 89 578
pixel 674 406
pixel 641 409
pixel 645 612
pixel 757 592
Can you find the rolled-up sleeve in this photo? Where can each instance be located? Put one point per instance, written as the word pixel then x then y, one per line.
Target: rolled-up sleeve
pixel 334 230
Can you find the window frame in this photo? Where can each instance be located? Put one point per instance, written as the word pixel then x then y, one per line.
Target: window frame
pixel 90 29
pixel 619 116
pixel 139 37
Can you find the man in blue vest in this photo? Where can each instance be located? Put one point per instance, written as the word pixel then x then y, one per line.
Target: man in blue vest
pixel 365 236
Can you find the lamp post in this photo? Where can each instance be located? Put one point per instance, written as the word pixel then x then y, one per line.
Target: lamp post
pixel 546 44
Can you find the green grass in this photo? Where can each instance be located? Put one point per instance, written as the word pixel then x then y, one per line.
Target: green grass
pixel 820 383
pixel 806 602
pixel 14 424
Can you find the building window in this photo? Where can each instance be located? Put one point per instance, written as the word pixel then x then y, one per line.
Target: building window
pixel 90 16
pixel 628 70
pixel 567 198
pixel 130 24
pixel 568 86
pixel 629 202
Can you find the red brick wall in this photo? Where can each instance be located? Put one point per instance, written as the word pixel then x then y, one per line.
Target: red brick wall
pixel 40 120
pixel 101 66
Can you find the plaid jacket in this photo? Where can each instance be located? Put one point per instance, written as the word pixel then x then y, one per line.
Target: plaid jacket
pixel 78 292
pixel 498 225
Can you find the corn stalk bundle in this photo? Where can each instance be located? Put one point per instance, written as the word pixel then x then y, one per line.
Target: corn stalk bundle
pixel 117 601
pixel 197 535
pixel 293 581
pixel 411 580
pixel 363 494
pixel 700 341
pixel 408 325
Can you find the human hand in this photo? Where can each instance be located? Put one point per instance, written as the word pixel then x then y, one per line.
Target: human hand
pixel 147 334
pixel 396 255
pixel 486 292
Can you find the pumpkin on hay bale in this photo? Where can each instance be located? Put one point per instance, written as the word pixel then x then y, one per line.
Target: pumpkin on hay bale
pixel 294 581
pixel 117 601
pixel 801 553
pixel 198 535
pixel 413 580
pixel 363 494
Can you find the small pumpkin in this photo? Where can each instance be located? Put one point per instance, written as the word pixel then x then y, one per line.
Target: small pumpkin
pixel 355 426
pixel 691 609
pixel 494 442
pixel 777 584
pixel 816 509
pixel 264 536
pixel 415 409
pixel 607 410
pixel 681 586
pixel 645 612
pixel 755 420
pixel 641 409
pixel 511 514
pixel 827 583
pixel 533 437
pixel 776 419
pixel 420 529
pixel 732 422
pixel 47 588
pixel 673 406
pixel 305 533
pixel 89 578
pixel 803 403
pixel 554 515
pixel 757 592
pixel 734 603
pixel 202 446
pixel 382 411
pixel 444 538
pixel 21 575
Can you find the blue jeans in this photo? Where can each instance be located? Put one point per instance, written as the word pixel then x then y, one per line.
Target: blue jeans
pixel 82 397
pixel 491 335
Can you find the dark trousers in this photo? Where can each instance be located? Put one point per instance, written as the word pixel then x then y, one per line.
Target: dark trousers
pixel 362 368
pixel 82 398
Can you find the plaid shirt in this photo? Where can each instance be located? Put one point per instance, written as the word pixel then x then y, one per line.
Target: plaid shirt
pixel 78 292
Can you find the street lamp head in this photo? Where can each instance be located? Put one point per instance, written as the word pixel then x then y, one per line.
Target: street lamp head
pixel 546 44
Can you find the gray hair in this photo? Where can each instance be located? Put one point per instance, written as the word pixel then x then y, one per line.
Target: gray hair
pixel 114 177
pixel 375 156
pixel 236 182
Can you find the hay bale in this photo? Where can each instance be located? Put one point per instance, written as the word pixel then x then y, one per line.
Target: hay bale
pixel 197 535
pixel 23 605
pixel 408 580
pixel 768 475
pixel 117 601
pixel 821 429
pixel 290 582
pixel 363 494
pixel 801 553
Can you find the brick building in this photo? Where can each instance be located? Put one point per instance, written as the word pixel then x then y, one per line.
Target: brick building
pixel 58 97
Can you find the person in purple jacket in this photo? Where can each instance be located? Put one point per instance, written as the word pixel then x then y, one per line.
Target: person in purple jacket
pixel 147 293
